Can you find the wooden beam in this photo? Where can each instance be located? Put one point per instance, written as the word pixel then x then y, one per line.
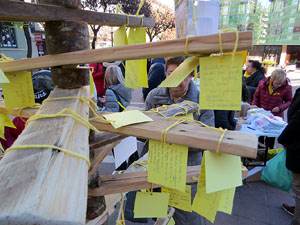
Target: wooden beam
pixel 187 133
pixel 118 183
pixel 21 11
pixel 202 45
pixel 47 186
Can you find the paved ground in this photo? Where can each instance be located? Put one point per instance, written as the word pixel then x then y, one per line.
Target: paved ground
pixel 255 203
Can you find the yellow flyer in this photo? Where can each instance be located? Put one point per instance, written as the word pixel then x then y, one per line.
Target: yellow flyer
pixel 149 204
pixel 19 92
pixel 221 82
pixel 167 164
pixel 178 199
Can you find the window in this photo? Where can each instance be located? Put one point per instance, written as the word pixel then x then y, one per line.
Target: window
pixel 8 36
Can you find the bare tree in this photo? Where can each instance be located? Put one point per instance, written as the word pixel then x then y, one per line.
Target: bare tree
pixel 164 20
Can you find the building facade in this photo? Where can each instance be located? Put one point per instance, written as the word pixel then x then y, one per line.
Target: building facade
pixel 276 26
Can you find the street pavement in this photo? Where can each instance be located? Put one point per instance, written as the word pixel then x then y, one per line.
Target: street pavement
pixel 255 202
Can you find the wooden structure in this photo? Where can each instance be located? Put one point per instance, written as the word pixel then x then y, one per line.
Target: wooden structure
pixel 47 186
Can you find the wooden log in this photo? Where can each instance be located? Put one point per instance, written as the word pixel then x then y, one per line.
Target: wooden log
pixel 21 11
pixel 118 183
pixel 67 36
pixel 46 186
pixel 187 133
pixel 203 45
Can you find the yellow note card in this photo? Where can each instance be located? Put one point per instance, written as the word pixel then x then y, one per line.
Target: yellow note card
pixel 92 85
pixel 171 221
pixel 120 36
pixel 221 83
pixel 136 70
pixel 226 201
pixel 181 72
pixel 222 171
pixel 125 118
pixel 243 53
pixel 3 78
pixel 178 199
pixel 205 204
pixel 149 204
pixel 5 121
pixel 167 164
pixel 19 92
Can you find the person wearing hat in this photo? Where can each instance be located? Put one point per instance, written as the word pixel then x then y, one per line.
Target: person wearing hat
pixel 42 87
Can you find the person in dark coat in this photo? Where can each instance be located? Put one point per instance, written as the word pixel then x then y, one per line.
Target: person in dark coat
pixel 155 76
pixel 289 138
pixel 253 74
pixel 225 119
pixel 274 93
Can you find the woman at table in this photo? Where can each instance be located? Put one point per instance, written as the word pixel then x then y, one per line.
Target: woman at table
pixel 289 138
pixel 273 94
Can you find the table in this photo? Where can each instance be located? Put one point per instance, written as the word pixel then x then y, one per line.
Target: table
pixel 259 133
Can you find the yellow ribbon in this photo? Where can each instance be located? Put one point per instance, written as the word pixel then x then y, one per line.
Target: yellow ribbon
pixel 140 6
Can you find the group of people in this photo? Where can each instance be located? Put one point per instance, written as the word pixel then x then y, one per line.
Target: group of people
pixel 272 93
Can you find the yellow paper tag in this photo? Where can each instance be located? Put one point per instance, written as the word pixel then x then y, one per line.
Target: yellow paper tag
pixel 171 221
pixel 167 164
pixel 19 92
pixel 181 72
pixel 126 118
pixel 5 122
pixel 243 53
pixel 120 36
pixel 223 171
pixel 151 205
pixel 136 70
pixel 206 204
pixel 92 85
pixel 178 199
pixel 221 83
pixel 226 201
pixel 3 78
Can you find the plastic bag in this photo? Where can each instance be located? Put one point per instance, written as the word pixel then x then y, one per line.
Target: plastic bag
pixel 276 173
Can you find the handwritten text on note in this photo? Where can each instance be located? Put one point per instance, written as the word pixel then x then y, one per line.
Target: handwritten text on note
pixel 178 199
pixel 167 164
pixel 221 82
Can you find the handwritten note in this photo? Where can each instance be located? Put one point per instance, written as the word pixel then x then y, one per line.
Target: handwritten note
pixel 3 78
pixel 178 199
pixel 136 70
pixel 5 122
pixel 221 83
pixel 126 118
pixel 206 204
pixel 181 72
pixel 167 164
pixel 226 201
pixel 19 92
pixel 151 205
pixel 120 36
pixel 223 171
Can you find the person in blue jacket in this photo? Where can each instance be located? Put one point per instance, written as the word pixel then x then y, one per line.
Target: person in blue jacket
pixel 116 92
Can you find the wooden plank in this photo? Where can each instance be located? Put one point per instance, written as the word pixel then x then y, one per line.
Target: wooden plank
pixel 46 186
pixel 119 183
pixel 202 45
pixel 27 112
pixel 21 11
pixel 188 133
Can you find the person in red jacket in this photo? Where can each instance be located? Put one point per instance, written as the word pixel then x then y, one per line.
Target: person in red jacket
pixel 98 76
pixel 274 93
